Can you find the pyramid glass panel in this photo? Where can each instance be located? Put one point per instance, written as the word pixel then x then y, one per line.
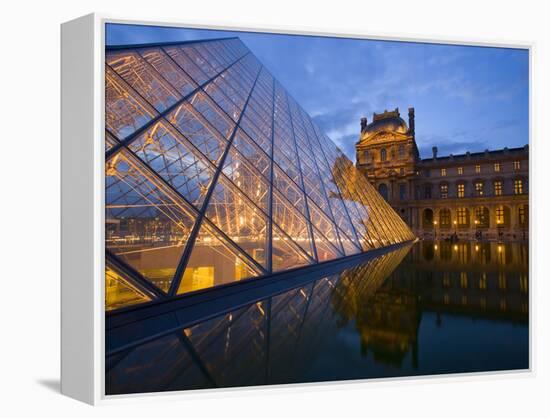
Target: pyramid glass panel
pixel 215 174
pixel 286 254
pixel 125 111
pixel 238 218
pixel 192 125
pixel 174 159
pixel 147 225
pixel 143 78
pixel 247 178
pixel 120 292
pixel 169 70
pixel 214 261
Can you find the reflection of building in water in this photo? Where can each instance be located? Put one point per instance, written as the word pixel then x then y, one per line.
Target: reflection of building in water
pixel 482 280
pixel 214 174
pixel 387 319
pixel 487 279
pixel 476 192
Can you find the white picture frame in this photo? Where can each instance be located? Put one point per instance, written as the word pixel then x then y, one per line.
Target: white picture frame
pixel 82 201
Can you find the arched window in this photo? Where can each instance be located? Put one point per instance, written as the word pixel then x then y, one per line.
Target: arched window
pixel 383 190
pixel 428 218
pixel 383 155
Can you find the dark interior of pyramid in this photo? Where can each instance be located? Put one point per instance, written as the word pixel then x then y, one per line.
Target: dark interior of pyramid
pixel 215 177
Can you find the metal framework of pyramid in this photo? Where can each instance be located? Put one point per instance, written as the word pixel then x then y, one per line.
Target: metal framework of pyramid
pixel 214 174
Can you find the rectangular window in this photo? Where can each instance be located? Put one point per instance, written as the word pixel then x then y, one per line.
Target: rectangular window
pixel 460 170
pixel 478 169
pixel 462 216
pixel 401 151
pixel 498 188
pixel 517 165
pixel 445 218
pixel 427 192
pixel 479 188
pixel 518 187
pixel 499 215
pixel 522 215
pixel 402 191
pixel 497 167
pixel 444 191
pixel 443 172
pixel 460 190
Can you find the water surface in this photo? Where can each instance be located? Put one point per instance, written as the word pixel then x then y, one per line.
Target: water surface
pixel 431 308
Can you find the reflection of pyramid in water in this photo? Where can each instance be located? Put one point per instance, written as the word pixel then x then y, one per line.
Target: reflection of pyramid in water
pixel 215 174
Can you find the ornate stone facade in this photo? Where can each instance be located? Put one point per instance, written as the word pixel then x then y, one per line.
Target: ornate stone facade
pixel 477 195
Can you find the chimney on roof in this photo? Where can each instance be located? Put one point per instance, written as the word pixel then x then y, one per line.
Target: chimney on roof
pixel 434 152
pixel 411 120
pixel 363 124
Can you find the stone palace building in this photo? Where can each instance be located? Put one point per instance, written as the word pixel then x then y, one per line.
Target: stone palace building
pixel 476 195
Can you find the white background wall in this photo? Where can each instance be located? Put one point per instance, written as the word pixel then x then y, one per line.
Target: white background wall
pixel 29 208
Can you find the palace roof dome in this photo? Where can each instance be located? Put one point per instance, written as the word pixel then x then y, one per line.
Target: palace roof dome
pixel 387 123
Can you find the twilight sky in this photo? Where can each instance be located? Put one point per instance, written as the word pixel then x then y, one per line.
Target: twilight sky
pixel 465 98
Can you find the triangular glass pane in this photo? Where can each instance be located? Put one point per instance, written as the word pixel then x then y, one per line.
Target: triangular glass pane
pixel 173 158
pixel 239 219
pixel 289 189
pixel 120 292
pixel 215 116
pixel 257 115
pixel 214 261
pixel 198 131
pixel 349 246
pixel 169 70
pixel 219 96
pixel 125 111
pixel 186 63
pixel 323 223
pixel 286 165
pixel 110 141
pixel 147 226
pixel 244 175
pixel 259 137
pixel 205 64
pixel 325 250
pixel 292 222
pixel 285 253
pixel 254 154
pixel 143 78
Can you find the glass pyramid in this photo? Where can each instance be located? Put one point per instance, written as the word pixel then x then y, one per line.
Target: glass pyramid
pixel 215 174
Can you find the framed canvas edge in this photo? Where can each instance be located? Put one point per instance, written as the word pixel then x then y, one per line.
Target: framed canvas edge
pixel 97 94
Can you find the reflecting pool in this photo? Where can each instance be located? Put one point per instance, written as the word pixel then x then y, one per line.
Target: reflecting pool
pixel 429 308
